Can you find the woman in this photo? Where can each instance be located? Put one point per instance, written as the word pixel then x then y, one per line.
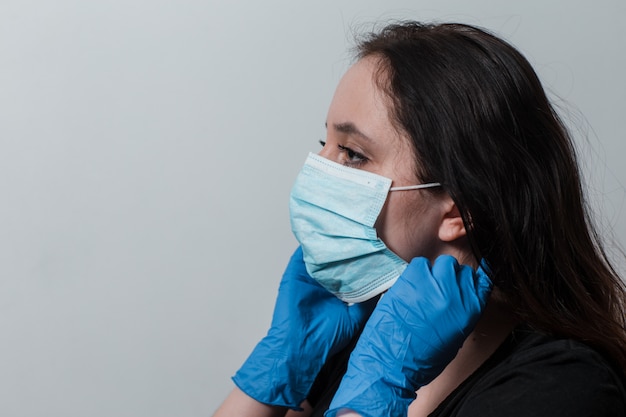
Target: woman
pixel 460 111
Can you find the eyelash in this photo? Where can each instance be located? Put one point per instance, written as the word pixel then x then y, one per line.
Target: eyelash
pixel 360 158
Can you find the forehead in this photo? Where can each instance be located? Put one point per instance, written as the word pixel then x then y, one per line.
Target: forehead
pixel 361 103
pixel 360 100
pixel 358 89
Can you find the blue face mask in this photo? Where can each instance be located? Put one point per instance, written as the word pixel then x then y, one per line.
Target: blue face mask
pixel 333 209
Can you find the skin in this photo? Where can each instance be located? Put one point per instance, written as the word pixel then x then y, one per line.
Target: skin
pixel 361 134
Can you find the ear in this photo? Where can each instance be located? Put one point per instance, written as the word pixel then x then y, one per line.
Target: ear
pixel 451 227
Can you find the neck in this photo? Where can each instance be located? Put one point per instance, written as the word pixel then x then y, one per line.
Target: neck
pixel 494 326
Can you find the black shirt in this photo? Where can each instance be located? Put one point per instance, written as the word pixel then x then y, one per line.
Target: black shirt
pixel 530 374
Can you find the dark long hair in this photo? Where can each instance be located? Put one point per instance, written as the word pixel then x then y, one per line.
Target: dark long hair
pixel 481 124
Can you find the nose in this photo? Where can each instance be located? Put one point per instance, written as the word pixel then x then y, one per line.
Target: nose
pixel 325 152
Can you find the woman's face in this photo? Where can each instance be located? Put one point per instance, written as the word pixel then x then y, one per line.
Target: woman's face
pixel 360 135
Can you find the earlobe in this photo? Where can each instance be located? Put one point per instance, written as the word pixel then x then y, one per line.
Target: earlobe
pixel 452 226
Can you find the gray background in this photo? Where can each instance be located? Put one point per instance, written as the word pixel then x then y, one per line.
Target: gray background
pixel 147 150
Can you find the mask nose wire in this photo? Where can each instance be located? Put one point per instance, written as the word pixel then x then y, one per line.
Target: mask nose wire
pixel 416 187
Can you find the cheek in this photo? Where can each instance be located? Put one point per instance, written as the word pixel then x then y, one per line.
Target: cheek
pixel 407 226
pixel 395 223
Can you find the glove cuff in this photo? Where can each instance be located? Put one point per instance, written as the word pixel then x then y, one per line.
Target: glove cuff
pixel 282 399
pixel 270 380
pixel 375 400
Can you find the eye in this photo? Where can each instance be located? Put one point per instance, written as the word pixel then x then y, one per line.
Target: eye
pixel 352 158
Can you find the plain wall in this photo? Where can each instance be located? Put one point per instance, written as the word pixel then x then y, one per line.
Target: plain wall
pixel 147 150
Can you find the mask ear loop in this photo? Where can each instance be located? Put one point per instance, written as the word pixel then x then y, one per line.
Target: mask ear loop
pixel 416 187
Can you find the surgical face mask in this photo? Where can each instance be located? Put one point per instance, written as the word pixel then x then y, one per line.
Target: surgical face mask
pixel 333 209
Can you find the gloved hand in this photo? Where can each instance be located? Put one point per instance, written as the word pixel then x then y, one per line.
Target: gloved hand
pixel 415 331
pixel 309 325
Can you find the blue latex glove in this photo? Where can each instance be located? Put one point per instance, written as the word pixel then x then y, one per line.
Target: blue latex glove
pixel 415 331
pixel 309 325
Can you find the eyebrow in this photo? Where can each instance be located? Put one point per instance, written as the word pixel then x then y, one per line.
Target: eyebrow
pixel 350 129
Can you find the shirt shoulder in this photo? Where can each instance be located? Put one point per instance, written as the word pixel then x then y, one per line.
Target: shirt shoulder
pixel 539 375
